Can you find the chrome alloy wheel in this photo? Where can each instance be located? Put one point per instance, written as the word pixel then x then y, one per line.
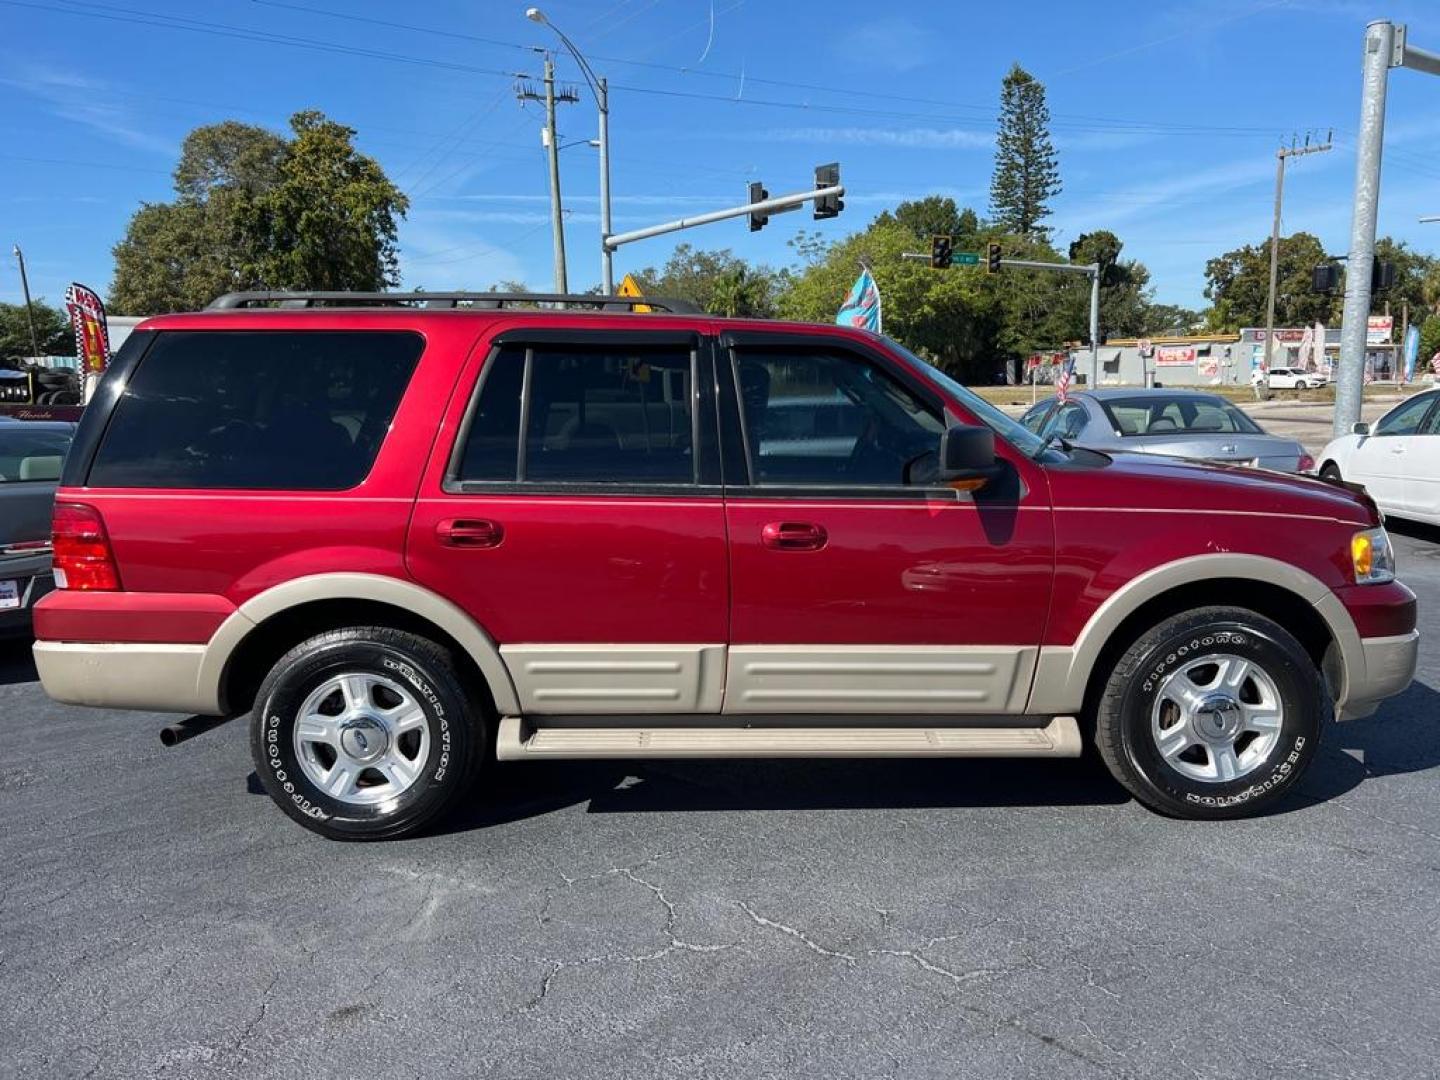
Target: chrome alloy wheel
pixel 1216 718
pixel 361 738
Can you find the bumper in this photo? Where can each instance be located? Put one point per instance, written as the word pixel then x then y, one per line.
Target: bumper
pixel 34 580
pixel 1389 667
pixel 149 676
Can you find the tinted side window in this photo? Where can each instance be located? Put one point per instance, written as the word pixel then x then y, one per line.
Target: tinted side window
pixel 1432 422
pixel 829 418
pixel 1405 419
pixel 595 415
pixel 273 410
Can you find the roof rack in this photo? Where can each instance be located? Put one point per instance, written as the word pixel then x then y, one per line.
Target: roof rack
pixel 474 300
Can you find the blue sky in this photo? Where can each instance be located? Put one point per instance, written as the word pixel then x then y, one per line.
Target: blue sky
pixel 1166 118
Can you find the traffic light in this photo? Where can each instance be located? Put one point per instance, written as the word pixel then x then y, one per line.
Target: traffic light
pixel 942 250
pixel 1382 275
pixel 992 258
pixel 758 194
pixel 828 206
pixel 1325 278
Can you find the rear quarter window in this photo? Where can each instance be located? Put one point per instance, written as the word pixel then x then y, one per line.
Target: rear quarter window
pixel 270 410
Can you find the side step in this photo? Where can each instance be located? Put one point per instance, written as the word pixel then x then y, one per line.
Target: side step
pixel 517 741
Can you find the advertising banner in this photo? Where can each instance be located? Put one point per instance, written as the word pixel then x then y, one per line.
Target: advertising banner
pixel 1177 357
pixel 92 338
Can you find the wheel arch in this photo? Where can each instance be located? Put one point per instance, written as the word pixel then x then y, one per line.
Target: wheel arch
pixel 1066 676
pixel 266 626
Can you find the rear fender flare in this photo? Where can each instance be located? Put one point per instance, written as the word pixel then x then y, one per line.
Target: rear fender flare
pixel 396 592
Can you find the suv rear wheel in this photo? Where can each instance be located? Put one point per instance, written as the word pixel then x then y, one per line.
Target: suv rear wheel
pixel 365 733
pixel 1213 713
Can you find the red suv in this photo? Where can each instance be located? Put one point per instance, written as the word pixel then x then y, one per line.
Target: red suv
pixel 402 531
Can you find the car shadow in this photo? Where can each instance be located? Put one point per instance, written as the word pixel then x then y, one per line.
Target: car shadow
pixel 1415 530
pixel 17 664
pixel 1402 737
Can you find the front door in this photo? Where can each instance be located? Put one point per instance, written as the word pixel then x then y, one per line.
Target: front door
pixel 855 586
pixel 1422 465
pixel 1379 460
pixel 576 519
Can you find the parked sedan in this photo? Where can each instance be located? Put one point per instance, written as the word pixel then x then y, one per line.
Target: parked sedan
pixel 1397 460
pixel 1283 378
pixel 31 454
pixel 1176 423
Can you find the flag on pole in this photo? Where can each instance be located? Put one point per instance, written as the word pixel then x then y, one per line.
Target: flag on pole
pixel 1412 351
pixel 1062 384
pixel 862 304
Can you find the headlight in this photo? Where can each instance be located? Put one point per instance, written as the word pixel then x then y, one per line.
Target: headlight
pixel 1372 557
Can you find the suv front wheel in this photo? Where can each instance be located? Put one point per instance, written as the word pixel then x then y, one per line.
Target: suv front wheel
pixel 365 733
pixel 1214 713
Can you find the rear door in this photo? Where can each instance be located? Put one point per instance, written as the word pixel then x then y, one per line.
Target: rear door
pixel 577 517
pixel 1422 465
pixel 854 590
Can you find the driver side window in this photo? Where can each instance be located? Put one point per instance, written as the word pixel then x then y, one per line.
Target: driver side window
pixel 1405 419
pixel 829 418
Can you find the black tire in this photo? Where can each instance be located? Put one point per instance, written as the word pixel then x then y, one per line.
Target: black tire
pixel 1123 723
pixel 456 726
pixel 1301 385
pixel 1330 471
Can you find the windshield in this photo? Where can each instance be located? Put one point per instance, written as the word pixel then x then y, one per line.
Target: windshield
pixel 1161 414
pixel 1024 440
pixel 31 453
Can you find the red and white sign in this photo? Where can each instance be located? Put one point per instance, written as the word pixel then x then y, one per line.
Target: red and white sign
pixel 1178 357
pixel 1378 329
pixel 92 336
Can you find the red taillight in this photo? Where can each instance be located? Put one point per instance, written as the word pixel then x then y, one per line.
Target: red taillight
pixel 82 557
pixel 1307 464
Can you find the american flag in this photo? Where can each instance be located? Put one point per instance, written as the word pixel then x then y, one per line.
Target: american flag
pixel 1062 384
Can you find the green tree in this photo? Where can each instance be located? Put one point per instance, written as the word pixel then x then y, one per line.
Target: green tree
pixel 935 215
pixel 1124 285
pixel 254 210
pixel 1172 318
pixel 716 281
pixel 52 328
pixel 1026 175
pixel 1414 273
pixel 1429 343
pixel 1237 283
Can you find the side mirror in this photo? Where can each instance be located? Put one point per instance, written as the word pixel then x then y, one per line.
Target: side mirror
pixel 967 452
pixel 1360 428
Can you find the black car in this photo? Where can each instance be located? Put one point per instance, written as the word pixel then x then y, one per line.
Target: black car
pixel 31 453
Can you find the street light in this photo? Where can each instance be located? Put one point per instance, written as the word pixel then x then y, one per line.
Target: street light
pixel 602 101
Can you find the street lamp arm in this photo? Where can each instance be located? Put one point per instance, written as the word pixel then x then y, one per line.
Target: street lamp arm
pixel 586 70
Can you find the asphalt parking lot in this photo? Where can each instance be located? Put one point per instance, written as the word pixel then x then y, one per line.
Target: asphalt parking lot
pixel 752 919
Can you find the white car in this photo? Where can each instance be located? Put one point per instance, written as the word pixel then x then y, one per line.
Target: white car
pixel 1397 461
pixel 1284 378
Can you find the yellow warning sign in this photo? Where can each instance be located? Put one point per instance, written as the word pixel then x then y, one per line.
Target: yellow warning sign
pixel 630 287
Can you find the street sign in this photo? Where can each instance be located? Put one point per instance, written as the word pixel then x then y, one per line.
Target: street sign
pixel 631 288
pixel 966 258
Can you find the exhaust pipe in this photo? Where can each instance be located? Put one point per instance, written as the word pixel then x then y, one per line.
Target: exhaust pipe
pixel 176 733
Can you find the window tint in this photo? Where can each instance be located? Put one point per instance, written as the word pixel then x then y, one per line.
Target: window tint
pixel 302 410
pixel 492 450
pixel 1034 417
pixel 1405 419
pixel 1067 422
pixel 1169 415
pixel 603 415
pixel 31 452
pixel 829 418
pixel 1432 422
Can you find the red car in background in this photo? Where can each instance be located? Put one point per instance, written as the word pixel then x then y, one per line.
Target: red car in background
pixel 400 531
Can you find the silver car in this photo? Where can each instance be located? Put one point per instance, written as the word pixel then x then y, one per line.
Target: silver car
pixel 1176 423
pixel 31 453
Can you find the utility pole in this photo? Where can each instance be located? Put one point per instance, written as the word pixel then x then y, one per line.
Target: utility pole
pixel 552 144
pixel 1280 156
pixel 29 308
pixel 1386 46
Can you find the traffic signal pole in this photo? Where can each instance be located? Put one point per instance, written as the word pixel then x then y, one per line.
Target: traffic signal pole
pixel 1386 47
pixel 763 207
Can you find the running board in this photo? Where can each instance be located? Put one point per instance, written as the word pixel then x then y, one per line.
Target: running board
pixel 517 741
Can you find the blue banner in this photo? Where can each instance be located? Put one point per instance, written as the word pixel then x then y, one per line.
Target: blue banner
pixel 1412 350
pixel 862 305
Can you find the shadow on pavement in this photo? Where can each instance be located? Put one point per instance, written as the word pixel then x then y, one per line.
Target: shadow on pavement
pixel 1402 737
pixel 1416 530
pixel 16 663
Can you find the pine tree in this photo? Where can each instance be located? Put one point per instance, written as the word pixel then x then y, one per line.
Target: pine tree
pixel 1026 174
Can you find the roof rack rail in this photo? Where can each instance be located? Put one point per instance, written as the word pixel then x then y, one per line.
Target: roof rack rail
pixel 475 300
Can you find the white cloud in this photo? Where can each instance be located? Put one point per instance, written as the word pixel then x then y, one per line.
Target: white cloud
pixel 85 101
pixel 893 44
pixel 922 138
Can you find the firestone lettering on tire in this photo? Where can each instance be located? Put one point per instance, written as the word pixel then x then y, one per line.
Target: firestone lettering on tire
pixel 1198 644
pixel 277 766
